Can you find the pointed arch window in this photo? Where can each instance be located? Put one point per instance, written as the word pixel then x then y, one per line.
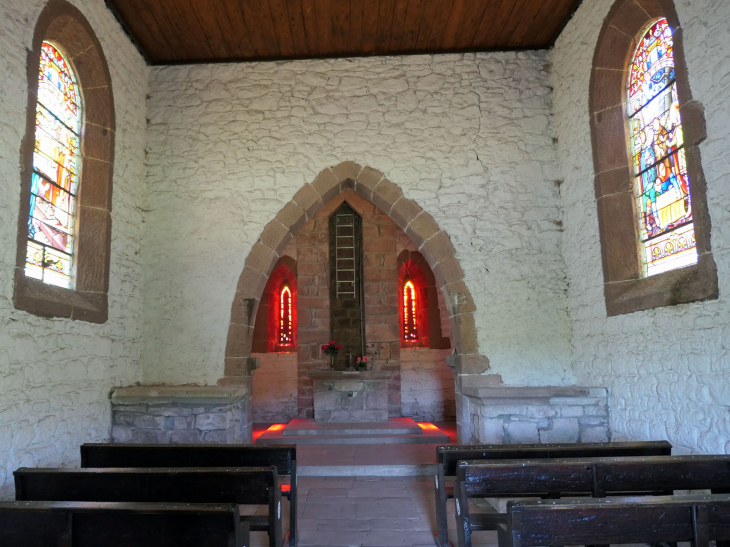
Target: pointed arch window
pixel 286 337
pixel 666 227
pixel 56 167
pixel 410 311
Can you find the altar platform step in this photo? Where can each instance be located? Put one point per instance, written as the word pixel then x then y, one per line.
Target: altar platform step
pixel 394 431
pixel 394 426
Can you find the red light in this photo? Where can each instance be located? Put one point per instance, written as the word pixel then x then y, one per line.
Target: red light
pixel 276 427
pixel 427 426
pixel 410 331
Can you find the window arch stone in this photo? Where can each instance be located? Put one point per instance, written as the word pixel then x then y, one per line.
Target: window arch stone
pixel 62 24
pixel 625 289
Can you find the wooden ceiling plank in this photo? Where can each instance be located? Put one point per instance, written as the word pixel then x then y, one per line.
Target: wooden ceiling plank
pixel 163 18
pixel 454 26
pixel 396 30
pixel 238 27
pixel 263 37
pixel 189 23
pixel 324 27
pixel 521 9
pixel 230 38
pixel 554 22
pixel 309 9
pixel 369 26
pixel 298 31
pixel 472 19
pixel 525 24
pixel 341 26
pixel 356 12
pixel 146 33
pixel 412 25
pixel 385 20
pixel 280 19
pixel 440 21
pixel 492 23
pixel 214 34
pixel 427 20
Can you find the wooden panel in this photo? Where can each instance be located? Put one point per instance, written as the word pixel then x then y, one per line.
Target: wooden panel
pixel 189 31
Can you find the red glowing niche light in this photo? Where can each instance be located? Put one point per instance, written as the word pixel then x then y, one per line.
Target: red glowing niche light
pixel 410 311
pixel 427 426
pixel 286 337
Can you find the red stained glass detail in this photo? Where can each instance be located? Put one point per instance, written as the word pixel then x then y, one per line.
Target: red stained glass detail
pixel 285 317
pixel 410 305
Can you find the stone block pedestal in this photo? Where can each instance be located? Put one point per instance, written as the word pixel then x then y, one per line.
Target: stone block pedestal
pixel 344 396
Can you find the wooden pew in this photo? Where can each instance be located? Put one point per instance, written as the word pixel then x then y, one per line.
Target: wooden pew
pixel 448 456
pixel 88 524
pixel 652 520
pixel 284 457
pixel 241 486
pixel 596 477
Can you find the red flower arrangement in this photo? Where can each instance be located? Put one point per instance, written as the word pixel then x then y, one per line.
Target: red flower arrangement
pixel 331 349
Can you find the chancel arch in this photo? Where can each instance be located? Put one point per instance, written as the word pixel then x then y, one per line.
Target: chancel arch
pixel 369 190
pixel 643 39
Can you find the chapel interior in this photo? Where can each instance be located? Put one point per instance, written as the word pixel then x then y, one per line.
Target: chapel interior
pixel 367 228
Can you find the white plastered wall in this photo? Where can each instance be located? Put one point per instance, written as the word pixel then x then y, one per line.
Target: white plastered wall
pixel 55 374
pixel 668 370
pixel 469 137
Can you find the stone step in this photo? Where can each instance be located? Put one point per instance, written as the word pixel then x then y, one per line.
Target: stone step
pixel 429 436
pixel 394 426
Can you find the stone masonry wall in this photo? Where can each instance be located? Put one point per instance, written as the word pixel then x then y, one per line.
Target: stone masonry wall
pixel 668 369
pixel 148 415
pixel 274 388
pixel 468 137
pixel 566 419
pixel 55 374
pixel 427 387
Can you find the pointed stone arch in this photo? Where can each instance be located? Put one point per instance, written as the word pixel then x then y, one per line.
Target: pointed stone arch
pixel 432 242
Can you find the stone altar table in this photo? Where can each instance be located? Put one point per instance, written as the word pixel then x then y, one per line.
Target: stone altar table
pixel 350 396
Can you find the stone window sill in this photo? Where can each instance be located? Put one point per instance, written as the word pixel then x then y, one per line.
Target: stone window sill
pixel 691 284
pixel 45 300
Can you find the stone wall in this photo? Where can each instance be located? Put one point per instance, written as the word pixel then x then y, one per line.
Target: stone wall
pixel 667 370
pixel 468 137
pixel 181 415
pixel 274 388
pixel 427 385
pixel 55 374
pixel 538 415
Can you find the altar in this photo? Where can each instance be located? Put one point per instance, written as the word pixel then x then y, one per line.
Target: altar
pixel 350 396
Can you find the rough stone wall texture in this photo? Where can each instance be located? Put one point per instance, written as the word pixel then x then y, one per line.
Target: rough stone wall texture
pixel 175 423
pixel 469 137
pixel 427 385
pixel 554 420
pixel 55 374
pixel 275 388
pixel 667 370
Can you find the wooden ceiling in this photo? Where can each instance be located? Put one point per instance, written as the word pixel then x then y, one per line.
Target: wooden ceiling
pixel 196 31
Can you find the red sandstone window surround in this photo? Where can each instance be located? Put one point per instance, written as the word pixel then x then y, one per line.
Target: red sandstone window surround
pixel 82 289
pixel 627 287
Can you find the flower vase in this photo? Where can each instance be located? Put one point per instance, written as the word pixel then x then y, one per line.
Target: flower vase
pixel 332 361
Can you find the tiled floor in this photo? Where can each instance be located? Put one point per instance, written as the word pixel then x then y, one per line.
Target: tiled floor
pixel 369 511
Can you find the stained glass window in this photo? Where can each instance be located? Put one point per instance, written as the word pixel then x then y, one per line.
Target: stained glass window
pixel 285 317
pixel 56 165
pixel 410 304
pixel 662 186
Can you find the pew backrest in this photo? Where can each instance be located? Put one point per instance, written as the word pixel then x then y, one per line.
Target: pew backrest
pixel 245 486
pixel 84 524
pixel 597 477
pixel 651 520
pixel 449 456
pixel 189 455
